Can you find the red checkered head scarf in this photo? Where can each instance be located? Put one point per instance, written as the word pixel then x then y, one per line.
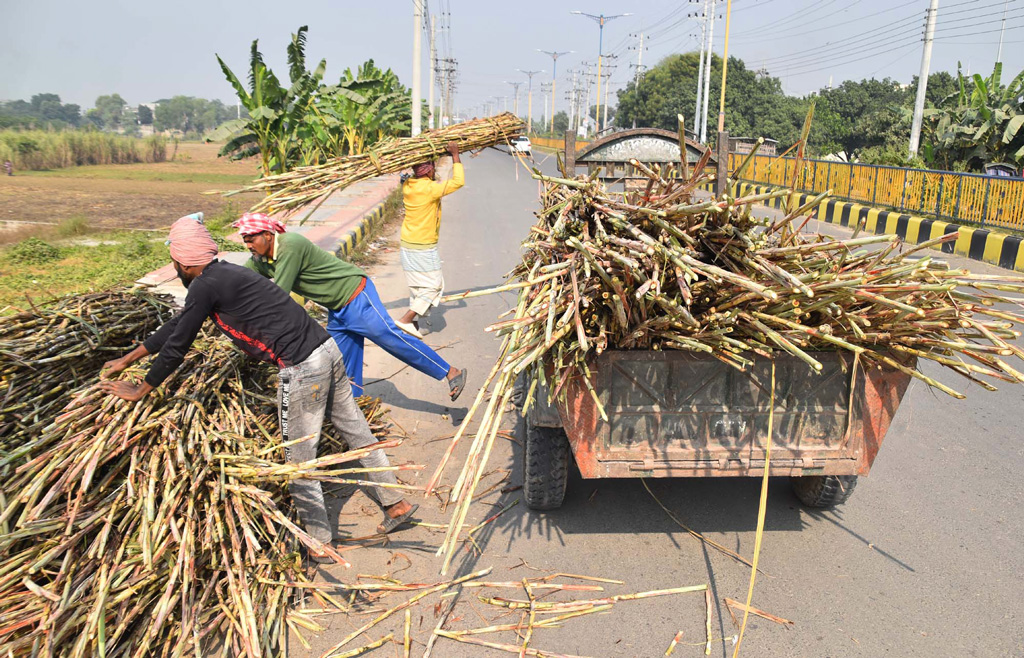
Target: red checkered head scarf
pixel 252 223
pixel 190 242
pixel 423 169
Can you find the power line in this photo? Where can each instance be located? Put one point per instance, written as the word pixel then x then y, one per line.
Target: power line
pixel 870 34
pixel 969 34
pixel 797 14
pixel 804 28
pixel 803 70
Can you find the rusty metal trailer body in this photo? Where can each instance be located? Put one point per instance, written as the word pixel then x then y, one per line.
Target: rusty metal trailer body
pixel 678 414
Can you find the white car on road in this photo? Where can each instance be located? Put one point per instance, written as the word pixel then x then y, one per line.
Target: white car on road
pixel 520 144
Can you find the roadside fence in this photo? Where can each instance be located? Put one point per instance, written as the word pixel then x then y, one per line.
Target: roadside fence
pixel 989 201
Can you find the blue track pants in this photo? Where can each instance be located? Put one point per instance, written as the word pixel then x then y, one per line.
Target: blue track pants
pixel 366 318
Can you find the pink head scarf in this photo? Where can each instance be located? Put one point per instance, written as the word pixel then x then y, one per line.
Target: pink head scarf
pixel 252 223
pixel 190 242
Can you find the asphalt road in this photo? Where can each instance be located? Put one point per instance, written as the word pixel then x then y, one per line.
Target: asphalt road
pixel 925 559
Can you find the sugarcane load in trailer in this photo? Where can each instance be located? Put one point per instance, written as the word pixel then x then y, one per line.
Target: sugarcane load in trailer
pixel 686 413
pixel 663 332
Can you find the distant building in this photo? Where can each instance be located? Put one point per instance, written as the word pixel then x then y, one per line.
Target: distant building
pixel 743 145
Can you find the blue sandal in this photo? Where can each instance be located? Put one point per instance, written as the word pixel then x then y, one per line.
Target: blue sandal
pixel 389 524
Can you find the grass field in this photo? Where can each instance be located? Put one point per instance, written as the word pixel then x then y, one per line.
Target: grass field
pixel 133 196
pixel 90 228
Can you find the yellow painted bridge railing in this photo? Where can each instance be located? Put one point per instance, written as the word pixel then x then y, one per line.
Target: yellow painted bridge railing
pixel 990 201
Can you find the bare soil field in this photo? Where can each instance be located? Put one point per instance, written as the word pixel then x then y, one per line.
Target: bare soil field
pixel 136 196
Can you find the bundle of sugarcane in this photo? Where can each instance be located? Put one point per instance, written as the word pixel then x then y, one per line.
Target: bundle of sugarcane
pixel 161 527
pixel 305 185
pixel 656 269
pixel 54 347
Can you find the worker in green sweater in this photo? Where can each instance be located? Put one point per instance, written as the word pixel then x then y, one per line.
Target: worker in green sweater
pixel 354 310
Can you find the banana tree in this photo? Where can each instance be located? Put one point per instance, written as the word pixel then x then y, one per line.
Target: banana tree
pixel 983 121
pixel 277 128
pixel 386 112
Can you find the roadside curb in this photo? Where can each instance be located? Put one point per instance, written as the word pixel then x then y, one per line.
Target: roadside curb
pixel 351 240
pixel 986 245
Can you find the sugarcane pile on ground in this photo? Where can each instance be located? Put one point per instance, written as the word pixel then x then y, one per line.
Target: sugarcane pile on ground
pixel 161 527
pixel 305 185
pixel 657 269
pixel 54 347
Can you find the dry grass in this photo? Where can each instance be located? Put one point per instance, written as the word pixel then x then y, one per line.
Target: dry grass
pixel 148 195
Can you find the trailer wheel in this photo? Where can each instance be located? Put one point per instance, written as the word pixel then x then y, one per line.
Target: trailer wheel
pixel 824 490
pixel 546 467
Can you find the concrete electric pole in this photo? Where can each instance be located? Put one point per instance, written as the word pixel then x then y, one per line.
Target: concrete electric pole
pixel 417 47
pixel 433 74
pixel 700 74
pixel 515 101
pixel 1002 31
pixel 922 80
pixel 554 77
pixel 529 98
pixel 707 76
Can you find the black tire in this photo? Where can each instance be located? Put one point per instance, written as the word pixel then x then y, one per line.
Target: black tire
pixel 824 490
pixel 546 467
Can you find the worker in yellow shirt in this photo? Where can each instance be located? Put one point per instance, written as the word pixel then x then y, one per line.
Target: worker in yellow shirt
pixel 420 229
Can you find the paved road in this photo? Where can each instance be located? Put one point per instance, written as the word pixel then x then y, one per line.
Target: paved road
pixel 925 560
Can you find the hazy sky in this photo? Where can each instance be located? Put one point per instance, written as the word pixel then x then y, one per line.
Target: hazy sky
pixel 145 51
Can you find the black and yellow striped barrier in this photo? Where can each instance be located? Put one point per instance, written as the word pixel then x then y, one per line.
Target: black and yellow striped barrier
pixel 995 247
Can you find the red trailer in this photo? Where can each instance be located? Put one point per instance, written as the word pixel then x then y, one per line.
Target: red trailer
pixel 678 414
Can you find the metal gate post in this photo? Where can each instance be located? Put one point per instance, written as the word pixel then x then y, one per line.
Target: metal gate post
pixel 903 192
pixel 984 207
pixel 874 187
pixel 959 191
pixel 938 197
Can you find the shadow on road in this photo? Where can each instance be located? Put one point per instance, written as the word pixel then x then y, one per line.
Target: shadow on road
pixel 392 397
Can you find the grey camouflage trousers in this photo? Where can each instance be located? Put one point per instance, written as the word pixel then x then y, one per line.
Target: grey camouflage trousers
pixel 305 393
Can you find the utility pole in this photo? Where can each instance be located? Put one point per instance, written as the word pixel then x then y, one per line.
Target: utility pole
pixel 417 47
pixel 545 88
pixel 607 87
pixel 725 67
pixel 515 90
pixel 529 97
pixel 707 77
pixel 571 97
pixel 433 74
pixel 639 66
pixel 1002 30
pixel 700 75
pixel 922 80
pixel 586 104
pixel 554 77
pixel 601 19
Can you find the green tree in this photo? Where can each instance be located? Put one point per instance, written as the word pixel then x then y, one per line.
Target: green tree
pixel 367 105
pixel 145 115
pixel 851 111
pixel 275 112
pixel 111 109
pixel 755 104
pixel 561 123
pixel 37 101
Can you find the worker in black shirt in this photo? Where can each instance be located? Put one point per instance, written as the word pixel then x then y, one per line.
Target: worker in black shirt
pixel 262 320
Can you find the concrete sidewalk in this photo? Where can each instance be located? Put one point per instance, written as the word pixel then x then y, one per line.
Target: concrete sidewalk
pixel 338 225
